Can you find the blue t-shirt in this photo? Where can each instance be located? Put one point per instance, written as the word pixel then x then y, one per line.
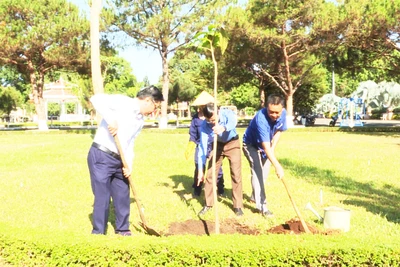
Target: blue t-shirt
pixel 226 118
pixel 194 135
pixel 262 129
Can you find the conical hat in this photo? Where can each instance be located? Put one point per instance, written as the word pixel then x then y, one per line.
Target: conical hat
pixel 203 99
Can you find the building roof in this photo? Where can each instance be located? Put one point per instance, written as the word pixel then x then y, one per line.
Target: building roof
pixel 58 90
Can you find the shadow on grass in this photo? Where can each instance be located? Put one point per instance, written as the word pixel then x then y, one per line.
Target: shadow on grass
pixel 382 201
pixel 186 193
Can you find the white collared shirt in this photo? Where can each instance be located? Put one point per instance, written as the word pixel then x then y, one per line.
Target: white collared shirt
pixel 126 112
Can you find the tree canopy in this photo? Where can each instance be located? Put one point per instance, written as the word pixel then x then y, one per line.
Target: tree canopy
pixel 164 26
pixel 292 46
pixel 40 36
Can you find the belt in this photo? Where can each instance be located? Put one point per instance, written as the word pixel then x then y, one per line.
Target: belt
pixel 106 150
pixel 233 138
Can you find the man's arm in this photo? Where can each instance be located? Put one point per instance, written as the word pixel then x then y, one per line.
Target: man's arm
pixel 269 150
pixel 203 148
pixel 230 120
pixel 275 140
pixel 202 154
pixel 193 132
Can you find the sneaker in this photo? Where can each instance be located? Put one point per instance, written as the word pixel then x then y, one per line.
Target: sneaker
pixel 267 214
pixel 204 210
pixel 238 211
pixel 124 233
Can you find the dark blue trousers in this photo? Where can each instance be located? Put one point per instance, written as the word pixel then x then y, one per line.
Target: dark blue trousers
pixel 108 183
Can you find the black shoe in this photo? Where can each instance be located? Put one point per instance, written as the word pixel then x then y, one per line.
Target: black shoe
pixel 238 211
pixel 204 210
pixel 196 192
pixel 267 214
pixel 124 233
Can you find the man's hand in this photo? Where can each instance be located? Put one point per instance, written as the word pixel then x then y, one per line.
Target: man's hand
pixel 279 171
pixel 113 128
pixel 126 172
pixel 218 129
pixel 200 177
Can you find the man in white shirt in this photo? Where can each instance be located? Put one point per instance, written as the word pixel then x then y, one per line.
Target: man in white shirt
pixel 123 116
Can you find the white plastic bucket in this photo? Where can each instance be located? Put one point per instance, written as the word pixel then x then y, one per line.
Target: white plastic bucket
pixel 337 218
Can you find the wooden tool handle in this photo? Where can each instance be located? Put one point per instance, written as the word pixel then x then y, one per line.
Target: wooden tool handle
pixel 303 223
pixel 135 196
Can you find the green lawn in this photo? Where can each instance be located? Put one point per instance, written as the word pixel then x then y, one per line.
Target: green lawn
pixel 45 187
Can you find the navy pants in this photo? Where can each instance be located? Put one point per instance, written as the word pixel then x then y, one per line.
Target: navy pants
pixel 108 182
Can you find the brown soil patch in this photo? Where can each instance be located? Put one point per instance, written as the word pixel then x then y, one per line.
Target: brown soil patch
pixel 293 226
pixel 231 226
pixel 202 227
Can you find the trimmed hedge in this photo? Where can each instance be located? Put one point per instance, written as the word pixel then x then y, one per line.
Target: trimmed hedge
pixel 225 250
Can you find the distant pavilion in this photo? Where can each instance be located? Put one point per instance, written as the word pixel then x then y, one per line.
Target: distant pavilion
pixel 60 92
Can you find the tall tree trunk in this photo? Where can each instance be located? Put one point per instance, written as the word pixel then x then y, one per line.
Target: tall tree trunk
pixel 261 91
pixel 97 79
pixel 288 78
pixel 289 104
pixel 165 90
pixel 289 91
pixel 37 92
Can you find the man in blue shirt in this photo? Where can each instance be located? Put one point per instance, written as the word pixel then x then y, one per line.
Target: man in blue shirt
pixel 194 133
pixel 228 145
pixel 259 142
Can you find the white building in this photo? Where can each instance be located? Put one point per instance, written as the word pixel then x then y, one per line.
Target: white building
pixel 60 92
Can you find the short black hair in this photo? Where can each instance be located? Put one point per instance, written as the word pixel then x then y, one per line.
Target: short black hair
pixel 208 110
pixel 150 91
pixel 275 100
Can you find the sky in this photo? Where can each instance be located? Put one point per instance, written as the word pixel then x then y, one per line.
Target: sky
pixel 144 62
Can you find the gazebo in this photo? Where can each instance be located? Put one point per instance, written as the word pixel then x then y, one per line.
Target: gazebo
pixel 61 93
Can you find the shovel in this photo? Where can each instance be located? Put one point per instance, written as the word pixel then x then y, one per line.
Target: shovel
pixel 303 223
pixel 143 224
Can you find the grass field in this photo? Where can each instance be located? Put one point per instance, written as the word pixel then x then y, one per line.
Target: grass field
pixel 45 186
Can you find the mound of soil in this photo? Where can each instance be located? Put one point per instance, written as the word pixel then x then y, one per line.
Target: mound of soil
pixel 293 226
pixel 202 227
pixel 231 226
